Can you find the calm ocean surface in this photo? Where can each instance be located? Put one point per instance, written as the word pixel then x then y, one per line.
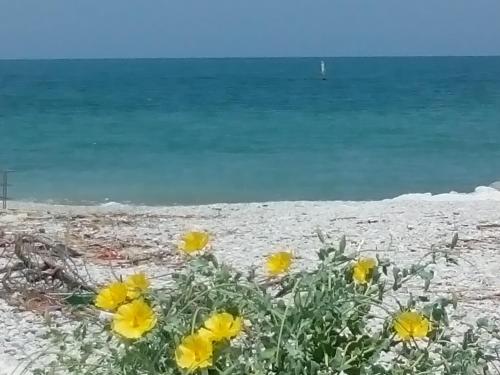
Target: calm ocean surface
pixel 236 130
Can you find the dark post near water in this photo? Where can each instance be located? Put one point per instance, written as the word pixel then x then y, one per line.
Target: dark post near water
pixel 5 187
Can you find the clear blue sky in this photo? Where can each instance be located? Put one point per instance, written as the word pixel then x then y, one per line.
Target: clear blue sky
pixel 222 28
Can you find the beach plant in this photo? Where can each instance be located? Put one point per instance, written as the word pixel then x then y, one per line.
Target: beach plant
pixel 347 315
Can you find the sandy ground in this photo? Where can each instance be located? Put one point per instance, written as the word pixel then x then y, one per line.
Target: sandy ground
pixel 402 229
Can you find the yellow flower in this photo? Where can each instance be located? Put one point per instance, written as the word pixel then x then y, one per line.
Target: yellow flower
pixel 206 333
pixel 194 241
pixel 411 324
pixel 363 270
pixel 112 296
pixel 134 319
pixel 194 352
pixel 222 326
pixel 279 262
pixel 136 284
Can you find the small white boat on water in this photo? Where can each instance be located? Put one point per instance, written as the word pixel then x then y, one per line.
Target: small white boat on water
pixel 323 70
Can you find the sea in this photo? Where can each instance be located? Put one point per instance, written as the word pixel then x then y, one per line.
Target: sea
pixel 197 131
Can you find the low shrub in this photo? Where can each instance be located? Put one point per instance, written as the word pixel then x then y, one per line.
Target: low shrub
pixel 338 318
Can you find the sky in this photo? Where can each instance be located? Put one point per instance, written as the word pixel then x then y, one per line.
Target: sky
pixel 247 28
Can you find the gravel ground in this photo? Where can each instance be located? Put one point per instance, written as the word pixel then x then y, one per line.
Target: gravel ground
pixel 403 229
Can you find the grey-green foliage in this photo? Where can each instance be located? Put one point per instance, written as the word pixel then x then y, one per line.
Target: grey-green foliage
pixel 315 322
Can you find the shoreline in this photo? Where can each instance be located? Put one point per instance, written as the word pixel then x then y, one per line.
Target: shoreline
pixel 491 192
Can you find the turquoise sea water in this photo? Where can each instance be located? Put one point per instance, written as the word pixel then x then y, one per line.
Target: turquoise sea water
pixel 200 131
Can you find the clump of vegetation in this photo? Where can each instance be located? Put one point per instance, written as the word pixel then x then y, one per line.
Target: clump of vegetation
pixel 334 319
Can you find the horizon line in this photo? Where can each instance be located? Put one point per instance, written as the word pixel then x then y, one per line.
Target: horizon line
pixel 238 57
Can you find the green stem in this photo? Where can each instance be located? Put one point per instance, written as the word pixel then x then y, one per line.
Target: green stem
pixel 283 324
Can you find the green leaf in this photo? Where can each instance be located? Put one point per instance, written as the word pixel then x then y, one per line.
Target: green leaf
pixel 454 241
pixel 342 245
pixel 268 353
pixel 454 301
pixel 396 272
pixel 321 236
pixel 427 284
pixel 80 299
pixel 482 322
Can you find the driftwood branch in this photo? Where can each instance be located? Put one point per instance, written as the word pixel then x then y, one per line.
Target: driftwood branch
pixel 54 247
pixel 37 259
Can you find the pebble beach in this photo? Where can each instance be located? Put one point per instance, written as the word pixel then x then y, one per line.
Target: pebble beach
pixel 403 229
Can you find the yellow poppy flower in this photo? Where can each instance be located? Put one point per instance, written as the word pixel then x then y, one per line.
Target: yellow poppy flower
pixel 134 319
pixel 194 241
pixel 136 284
pixel 112 296
pixel 363 270
pixel 279 263
pixel 206 333
pixel 222 326
pixel 411 325
pixel 194 352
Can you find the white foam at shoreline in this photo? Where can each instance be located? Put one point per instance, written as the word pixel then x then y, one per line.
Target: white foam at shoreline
pixel 480 193
pixel 115 205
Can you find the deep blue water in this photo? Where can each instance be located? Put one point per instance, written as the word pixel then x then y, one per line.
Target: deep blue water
pixel 208 130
